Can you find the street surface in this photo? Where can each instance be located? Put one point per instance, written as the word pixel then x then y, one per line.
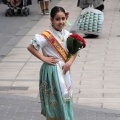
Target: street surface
pixel 95 74
pixel 10 26
pixel 13 29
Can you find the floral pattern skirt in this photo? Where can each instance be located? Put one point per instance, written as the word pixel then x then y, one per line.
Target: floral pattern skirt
pixel 53 107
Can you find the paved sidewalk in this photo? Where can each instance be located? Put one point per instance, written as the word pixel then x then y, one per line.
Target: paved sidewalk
pixel 95 74
pixel 14 107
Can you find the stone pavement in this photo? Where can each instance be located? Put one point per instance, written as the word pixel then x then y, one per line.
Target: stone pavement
pixel 14 107
pixel 96 81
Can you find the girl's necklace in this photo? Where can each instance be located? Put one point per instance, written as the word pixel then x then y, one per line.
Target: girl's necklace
pixel 62 39
pixel 57 34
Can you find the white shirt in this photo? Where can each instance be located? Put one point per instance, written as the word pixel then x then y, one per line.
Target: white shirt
pixel 40 42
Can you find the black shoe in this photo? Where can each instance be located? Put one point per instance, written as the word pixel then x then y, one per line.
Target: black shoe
pixel 90 36
pixel 101 7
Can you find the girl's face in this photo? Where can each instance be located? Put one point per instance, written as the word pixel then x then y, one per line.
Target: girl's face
pixel 59 21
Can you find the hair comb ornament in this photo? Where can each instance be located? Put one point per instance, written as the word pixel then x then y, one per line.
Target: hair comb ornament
pixel 67 15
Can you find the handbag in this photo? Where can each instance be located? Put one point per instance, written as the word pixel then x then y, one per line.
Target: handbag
pixel 90 21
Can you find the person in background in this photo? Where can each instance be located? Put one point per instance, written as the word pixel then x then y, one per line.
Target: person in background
pixel 98 4
pixel 44 5
pixel 14 3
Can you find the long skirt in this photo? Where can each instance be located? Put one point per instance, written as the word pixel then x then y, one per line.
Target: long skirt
pixel 53 107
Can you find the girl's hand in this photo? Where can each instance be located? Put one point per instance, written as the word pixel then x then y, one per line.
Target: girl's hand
pixel 68 64
pixel 66 67
pixel 50 60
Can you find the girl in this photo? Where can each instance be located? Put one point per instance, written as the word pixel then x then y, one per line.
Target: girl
pixel 55 82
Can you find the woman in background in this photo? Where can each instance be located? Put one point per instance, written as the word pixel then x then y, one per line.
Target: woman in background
pixel 44 5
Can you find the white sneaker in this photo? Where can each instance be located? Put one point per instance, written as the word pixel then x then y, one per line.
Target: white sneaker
pixel 42 12
pixel 47 12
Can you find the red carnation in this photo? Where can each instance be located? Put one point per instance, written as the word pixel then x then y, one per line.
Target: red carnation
pixel 78 37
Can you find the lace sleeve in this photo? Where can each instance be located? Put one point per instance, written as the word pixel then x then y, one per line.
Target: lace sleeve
pixel 39 41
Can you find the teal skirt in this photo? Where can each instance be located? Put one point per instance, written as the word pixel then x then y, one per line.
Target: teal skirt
pixel 53 107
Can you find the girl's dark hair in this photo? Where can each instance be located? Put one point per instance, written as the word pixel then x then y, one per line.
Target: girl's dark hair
pixel 55 10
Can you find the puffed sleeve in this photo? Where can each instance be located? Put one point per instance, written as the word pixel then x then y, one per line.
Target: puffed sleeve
pixel 39 41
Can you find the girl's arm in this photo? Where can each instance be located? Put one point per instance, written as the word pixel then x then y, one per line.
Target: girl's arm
pixel 68 64
pixel 36 53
